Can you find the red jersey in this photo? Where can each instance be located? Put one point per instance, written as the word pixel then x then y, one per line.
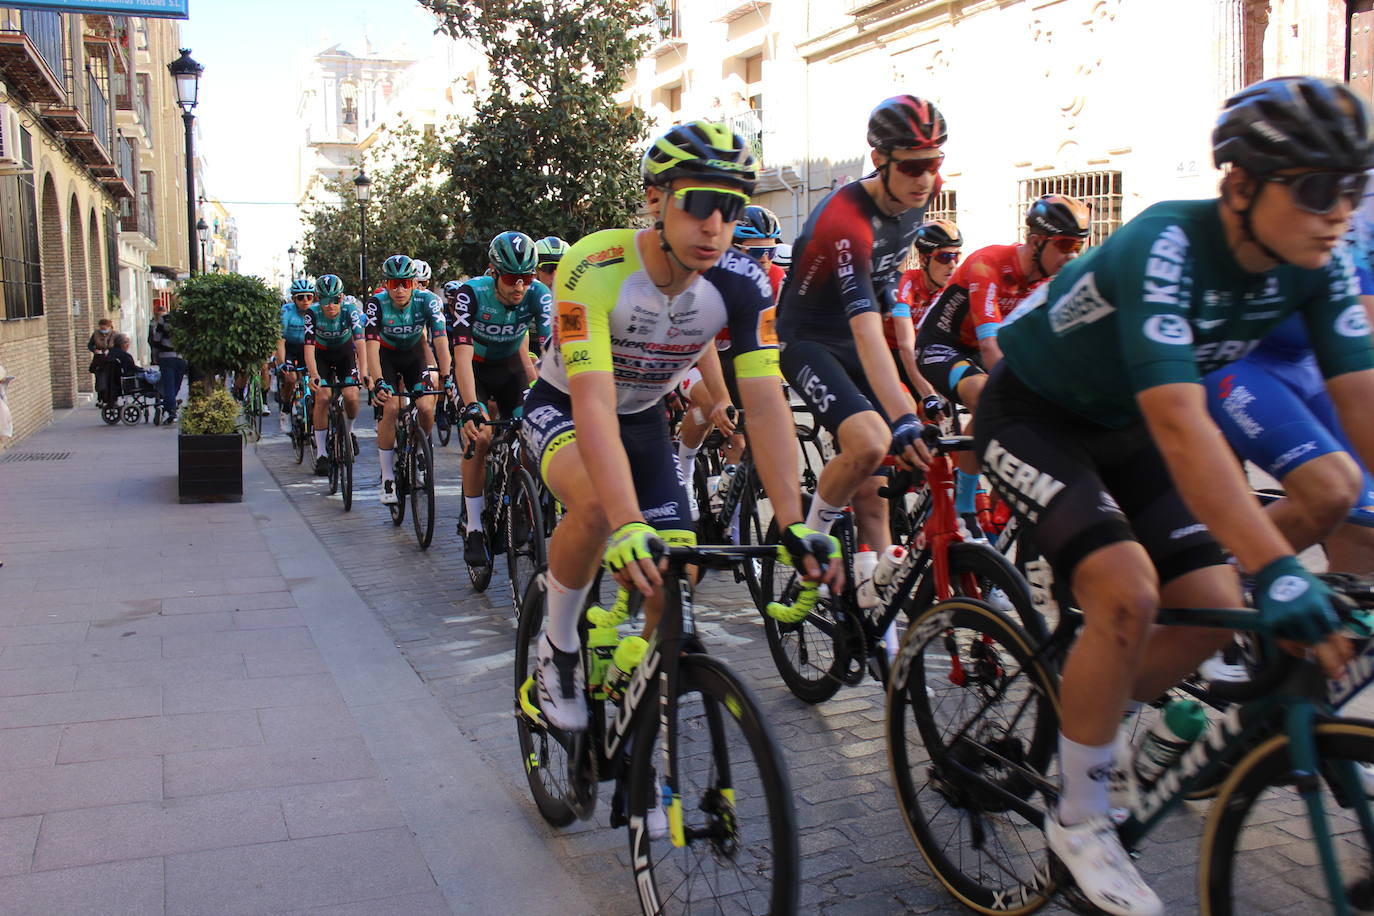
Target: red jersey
pixel 982 291
pixel 913 289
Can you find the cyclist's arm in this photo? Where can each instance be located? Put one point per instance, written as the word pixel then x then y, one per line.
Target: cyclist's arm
pixel 713 376
pixel 1207 475
pixel 463 373
pixel 438 335
pixel 773 440
pixel 531 371
pixel 905 333
pixel 310 367
pixel 984 312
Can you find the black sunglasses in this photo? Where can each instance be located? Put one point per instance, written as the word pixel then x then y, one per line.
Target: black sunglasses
pixel 1319 192
pixel 702 202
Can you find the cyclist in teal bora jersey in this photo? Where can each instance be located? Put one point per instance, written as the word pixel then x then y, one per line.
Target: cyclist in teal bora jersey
pixel 1095 428
pixel 498 318
pixel 291 346
pixel 334 351
pixel 397 355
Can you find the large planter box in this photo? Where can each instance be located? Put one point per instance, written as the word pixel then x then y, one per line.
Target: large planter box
pixel 210 468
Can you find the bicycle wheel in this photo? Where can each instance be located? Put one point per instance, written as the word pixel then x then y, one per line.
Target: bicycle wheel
pixel 1249 872
pixel 298 437
pixel 524 535
pixel 977 570
pixel 812 457
pixel 972 722
pixel 543 750
pixel 813 655
pixel 421 483
pixel 398 508
pixel 443 422
pixel 738 851
pixel 332 452
pixel 753 529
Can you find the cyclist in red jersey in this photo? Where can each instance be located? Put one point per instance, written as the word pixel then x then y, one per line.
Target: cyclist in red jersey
pixel 956 344
pixel 937 251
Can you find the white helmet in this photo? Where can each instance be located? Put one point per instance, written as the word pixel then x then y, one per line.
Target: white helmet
pixel 782 256
pixel 422 271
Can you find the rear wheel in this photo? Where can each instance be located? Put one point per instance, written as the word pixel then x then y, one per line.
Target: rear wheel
pixel 543 749
pixel 443 421
pixel 110 415
pixel 524 535
pixel 421 483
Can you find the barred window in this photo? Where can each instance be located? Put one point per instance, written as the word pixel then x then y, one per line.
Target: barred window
pixel 1101 191
pixel 943 206
pixel 21 275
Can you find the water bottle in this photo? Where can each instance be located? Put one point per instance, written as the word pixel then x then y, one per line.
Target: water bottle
pixel 888 564
pixel 626 659
pixel 865 562
pixel 1181 723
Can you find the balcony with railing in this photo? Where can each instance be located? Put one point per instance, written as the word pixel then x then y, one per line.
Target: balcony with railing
pixel 33 54
pixel 137 214
pixel 666 27
pixel 749 125
pixel 125 175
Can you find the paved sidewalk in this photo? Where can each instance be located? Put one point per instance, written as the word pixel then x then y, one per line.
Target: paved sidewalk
pixel 199 715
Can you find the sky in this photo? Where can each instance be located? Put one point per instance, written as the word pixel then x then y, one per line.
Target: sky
pixel 253 52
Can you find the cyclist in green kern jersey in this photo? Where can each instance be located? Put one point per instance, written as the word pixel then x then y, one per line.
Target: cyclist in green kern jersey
pixel 635 310
pixel 1095 428
pixel 397 355
pixel 334 349
pixel 497 319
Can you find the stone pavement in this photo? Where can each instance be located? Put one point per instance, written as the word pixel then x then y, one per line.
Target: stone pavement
pixel 199 715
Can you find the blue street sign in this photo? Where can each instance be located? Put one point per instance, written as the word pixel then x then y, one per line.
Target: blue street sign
pixel 158 9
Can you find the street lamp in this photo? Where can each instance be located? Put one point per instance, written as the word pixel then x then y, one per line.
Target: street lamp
pixel 202 230
pixel 186 72
pixel 362 189
pixel 291 255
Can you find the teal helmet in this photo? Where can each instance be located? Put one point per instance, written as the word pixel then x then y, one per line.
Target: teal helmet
pixel 700 149
pixel 550 250
pixel 301 285
pixel 398 267
pixel 328 288
pixel 512 253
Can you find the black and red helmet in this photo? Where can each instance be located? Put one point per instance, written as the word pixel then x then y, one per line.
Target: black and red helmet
pixel 906 122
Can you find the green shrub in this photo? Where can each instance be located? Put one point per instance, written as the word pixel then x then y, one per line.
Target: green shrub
pixel 225 323
pixel 213 413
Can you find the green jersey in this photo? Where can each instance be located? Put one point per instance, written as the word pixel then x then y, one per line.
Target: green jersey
pixel 402 328
pixel 494 331
pixel 1163 301
pixel 334 333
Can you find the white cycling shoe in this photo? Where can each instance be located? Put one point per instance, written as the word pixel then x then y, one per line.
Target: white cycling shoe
pixel 562 687
pixel 388 495
pixel 1093 854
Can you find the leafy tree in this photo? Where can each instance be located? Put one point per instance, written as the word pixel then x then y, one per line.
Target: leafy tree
pixel 548 151
pixel 225 322
pixel 412 211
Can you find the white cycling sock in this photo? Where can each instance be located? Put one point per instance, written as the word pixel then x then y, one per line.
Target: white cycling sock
pixel 1086 773
pixel 319 442
pixel 387 456
pixel 564 606
pixel 348 424
pixel 474 505
pixel 686 458
pixel 822 515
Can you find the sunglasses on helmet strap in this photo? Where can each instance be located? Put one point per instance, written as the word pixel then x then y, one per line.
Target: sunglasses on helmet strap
pixel 1067 244
pixel 1319 192
pixel 702 202
pixel 947 257
pixel 914 168
pixel 400 282
pixel 512 279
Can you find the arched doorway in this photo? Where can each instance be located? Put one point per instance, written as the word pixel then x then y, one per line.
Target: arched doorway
pixel 56 301
pixel 82 308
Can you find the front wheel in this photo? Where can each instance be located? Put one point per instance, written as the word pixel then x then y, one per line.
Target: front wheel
pixel 524 535
pixel 110 415
pixel 133 415
pixel 543 749
pixel 421 482
pixel 737 850
pixel 298 437
pixel 972 724
pixel 443 422
pixel 1249 873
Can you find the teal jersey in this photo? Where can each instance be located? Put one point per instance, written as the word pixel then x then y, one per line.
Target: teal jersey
pixel 292 323
pixel 1164 301
pixel 493 330
pixel 334 333
pixel 402 328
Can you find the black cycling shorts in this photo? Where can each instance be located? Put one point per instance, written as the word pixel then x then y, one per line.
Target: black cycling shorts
pixel 503 381
pixel 404 369
pixel 335 365
pixel 830 380
pixel 945 366
pixel 648 444
pixel 295 356
pixel 1082 486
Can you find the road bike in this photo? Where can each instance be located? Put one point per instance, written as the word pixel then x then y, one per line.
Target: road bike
pixel 339 450
pixel 414 463
pixel 820 643
pixel 686 734
pixel 512 511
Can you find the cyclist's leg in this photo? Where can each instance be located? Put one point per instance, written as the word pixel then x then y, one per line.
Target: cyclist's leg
pixel 1276 414
pixel 958 376
pixel 474 469
pixel 391 369
pixel 826 385
pixel 1350 547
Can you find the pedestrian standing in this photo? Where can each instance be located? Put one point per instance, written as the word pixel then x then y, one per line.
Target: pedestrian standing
pixel 100 345
pixel 167 359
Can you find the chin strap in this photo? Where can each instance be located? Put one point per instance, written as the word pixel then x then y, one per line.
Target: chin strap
pixel 1037 250
pixel 1248 230
pixel 668 249
pixel 883 170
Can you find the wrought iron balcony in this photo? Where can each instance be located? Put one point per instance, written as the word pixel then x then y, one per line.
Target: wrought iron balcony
pixel 31 54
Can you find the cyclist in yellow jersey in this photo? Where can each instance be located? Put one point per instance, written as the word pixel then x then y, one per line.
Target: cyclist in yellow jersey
pixel 635 310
